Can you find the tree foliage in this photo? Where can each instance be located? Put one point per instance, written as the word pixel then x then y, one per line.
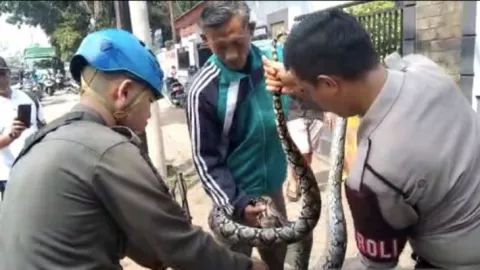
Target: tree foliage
pixel 64 22
pixel 68 22
pixel 180 7
pixel 160 15
pixel 370 7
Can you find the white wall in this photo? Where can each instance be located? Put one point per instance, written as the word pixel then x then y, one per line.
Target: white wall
pixel 190 42
pixel 261 9
pixel 319 5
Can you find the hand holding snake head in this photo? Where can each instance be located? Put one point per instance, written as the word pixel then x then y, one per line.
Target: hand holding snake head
pixel 263 214
pixel 278 79
pixel 252 213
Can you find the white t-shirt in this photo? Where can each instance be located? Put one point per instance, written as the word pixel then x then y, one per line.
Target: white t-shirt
pixel 8 112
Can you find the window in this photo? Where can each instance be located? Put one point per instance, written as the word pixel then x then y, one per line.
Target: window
pixel 183 58
pixel 277 28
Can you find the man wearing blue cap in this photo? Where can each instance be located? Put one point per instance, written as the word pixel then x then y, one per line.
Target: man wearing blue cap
pixel 83 196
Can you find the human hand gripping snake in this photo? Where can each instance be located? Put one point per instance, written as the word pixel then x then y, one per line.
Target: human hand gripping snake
pixel 274 227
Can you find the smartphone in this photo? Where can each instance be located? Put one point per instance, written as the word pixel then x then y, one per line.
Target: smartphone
pixel 24 114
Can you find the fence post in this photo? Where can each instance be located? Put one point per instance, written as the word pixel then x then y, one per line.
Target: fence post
pixel 469 54
pixel 409 27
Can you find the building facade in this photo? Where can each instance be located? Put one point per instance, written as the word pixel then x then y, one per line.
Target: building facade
pixel 279 16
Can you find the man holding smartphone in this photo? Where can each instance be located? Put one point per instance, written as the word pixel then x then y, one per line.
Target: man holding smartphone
pixel 13 131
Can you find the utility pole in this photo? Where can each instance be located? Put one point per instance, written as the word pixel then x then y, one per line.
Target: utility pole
pixel 122 19
pixel 172 21
pixel 122 15
pixel 97 9
pixel 141 29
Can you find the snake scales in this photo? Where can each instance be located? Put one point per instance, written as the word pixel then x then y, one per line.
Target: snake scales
pixel 274 227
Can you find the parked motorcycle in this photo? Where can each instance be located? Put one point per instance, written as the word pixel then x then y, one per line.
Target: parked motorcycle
pixel 59 81
pixel 175 92
pixel 30 86
pixel 48 84
pixel 71 86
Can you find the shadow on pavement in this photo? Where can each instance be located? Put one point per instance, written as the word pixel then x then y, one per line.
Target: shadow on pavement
pixel 173 115
pixel 58 98
pixel 187 169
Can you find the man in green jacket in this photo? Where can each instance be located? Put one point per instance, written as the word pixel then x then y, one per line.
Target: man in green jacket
pixel 235 145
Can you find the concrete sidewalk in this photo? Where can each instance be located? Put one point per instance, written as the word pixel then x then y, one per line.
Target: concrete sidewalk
pixel 178 153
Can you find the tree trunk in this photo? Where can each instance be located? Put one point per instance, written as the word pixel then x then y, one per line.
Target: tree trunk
pixel 97 12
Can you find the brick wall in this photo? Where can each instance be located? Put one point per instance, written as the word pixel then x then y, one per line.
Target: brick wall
pixel 439 33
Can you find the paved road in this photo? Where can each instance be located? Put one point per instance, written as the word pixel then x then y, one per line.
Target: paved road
pixel 58 104
pixel 177 152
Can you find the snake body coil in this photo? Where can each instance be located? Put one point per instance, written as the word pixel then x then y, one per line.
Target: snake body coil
pixel 299 231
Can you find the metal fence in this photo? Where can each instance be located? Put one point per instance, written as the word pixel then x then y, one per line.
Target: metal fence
pixel 385 28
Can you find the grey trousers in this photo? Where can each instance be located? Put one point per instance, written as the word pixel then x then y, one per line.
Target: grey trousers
pixel 274 257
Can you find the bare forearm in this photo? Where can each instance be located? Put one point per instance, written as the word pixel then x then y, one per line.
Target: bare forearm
pixel 5 140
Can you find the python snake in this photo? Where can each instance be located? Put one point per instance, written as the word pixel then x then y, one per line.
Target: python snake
pixel 274 227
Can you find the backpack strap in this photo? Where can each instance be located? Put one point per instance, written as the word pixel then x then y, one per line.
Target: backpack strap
pixel 54 125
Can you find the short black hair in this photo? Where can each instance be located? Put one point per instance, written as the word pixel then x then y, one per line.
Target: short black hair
pixel 218 13
pixel 330 42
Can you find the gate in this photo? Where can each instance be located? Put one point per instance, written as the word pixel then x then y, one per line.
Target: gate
pixel 385 28
pixel 385 25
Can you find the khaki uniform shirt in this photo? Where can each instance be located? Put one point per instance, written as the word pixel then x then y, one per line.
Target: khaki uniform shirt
pixel 84 197
pixel 417 173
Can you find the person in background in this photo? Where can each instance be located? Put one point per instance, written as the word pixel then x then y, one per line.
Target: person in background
pixel 305 128
pixel 173 72
pixel 192 71
pixel 82 194
pixel 34 75
pixel 13 132
pixel 416 175
pixel 21 74
pixel 236 148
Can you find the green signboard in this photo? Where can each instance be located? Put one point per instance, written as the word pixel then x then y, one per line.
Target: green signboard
pixel 35 51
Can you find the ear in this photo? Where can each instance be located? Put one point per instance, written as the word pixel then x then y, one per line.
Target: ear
pixel 327 81
pixel 124 90
pixel 251 27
